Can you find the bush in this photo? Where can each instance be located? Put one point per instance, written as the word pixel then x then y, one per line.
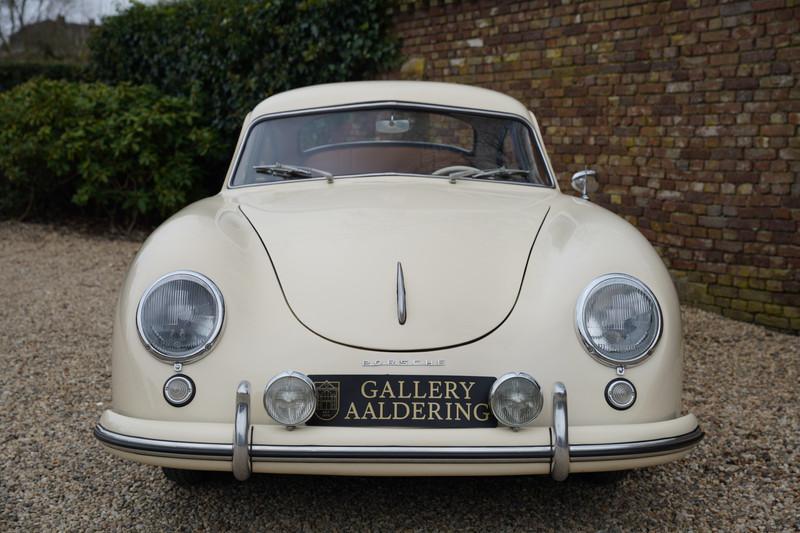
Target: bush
pixel 122 152
pixel 16 73
pixel 230 54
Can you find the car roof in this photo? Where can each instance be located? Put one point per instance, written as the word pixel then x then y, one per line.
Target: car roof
pixel 359 92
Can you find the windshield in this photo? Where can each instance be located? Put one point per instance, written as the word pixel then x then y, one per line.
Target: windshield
pixel 396 140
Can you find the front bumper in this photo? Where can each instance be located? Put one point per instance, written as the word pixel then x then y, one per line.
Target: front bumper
pixel 558 450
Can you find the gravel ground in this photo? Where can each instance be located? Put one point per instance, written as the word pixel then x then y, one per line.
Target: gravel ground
pixel 58 289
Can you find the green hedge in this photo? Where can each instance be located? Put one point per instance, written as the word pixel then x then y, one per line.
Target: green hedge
pixel 122 152
pixel 230 54
pixel 16 73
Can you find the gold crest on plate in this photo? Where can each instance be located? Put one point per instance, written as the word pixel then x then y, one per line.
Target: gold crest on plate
pixel 327 400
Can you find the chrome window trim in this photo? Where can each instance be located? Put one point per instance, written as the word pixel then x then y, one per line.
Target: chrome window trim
pixel 583 335
pixel 387 174
pixel 199 352
pixel 384 103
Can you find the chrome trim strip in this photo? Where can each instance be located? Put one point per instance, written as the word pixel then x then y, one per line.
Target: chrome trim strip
pixel 402 454
pixel 629 450
pixel 559 466
pixel 241 433
pixel 397 454
pixel 164 448
pixel 386 103
pixel 401 295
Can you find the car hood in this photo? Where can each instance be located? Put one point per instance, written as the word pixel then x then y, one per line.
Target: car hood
pixel 335 248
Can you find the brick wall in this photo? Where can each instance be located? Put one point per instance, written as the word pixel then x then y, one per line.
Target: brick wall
pixel 688 109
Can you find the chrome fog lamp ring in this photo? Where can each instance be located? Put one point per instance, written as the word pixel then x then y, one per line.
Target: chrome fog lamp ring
pixel 516 399
pixel 638 295
pixel 289 388
pixel 147 316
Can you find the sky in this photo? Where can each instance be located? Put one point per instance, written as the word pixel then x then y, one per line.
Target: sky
pixel 80 11
pixel 85 10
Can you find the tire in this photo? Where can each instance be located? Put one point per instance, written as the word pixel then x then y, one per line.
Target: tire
pixel 186 478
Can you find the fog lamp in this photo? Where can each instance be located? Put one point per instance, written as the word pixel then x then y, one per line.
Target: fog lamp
pixel 179 390
pixel 516 399
pixel 290 398
pixel 620 394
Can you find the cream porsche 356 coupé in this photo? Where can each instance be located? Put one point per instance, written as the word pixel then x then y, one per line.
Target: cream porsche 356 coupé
pixel 391 283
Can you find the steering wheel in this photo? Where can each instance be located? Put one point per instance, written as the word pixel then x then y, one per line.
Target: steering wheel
pixel 446 171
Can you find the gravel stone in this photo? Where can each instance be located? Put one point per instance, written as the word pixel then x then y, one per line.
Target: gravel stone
pixel 58 288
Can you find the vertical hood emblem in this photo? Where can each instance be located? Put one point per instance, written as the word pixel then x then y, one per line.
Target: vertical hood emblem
pixel 401 295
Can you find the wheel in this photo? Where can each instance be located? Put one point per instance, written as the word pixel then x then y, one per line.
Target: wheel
pixel 186 478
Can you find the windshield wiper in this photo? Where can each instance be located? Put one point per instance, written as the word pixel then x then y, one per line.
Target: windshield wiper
pixel 500 171
pixel 491 173
pixel 289 172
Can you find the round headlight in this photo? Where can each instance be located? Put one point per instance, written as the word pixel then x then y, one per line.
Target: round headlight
pixel 180 316
pixel 516 399
pixel 619 319
pixel 290 398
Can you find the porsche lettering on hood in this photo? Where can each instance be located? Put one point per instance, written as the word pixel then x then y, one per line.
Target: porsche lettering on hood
pixel 336 247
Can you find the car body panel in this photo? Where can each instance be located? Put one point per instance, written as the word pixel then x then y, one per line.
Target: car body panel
pixel 335 250
pixel 366 92
pixel 261 337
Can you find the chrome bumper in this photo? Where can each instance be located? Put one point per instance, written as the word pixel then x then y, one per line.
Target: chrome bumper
pixel 242 452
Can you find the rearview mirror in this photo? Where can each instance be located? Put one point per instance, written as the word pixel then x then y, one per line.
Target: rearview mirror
pixel 584 182
pixel 392 126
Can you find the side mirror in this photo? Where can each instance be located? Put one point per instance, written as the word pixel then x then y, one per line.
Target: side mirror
pixel 584 181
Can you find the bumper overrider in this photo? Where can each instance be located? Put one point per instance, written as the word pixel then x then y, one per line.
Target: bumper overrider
pixel 562 456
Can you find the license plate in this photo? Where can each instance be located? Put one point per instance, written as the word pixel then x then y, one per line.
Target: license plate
pixel 403 401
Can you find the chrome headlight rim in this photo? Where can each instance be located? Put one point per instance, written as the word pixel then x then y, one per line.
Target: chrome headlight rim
pixel 502 379
pixel 583 334
pixel 290 374
pixel 206 347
